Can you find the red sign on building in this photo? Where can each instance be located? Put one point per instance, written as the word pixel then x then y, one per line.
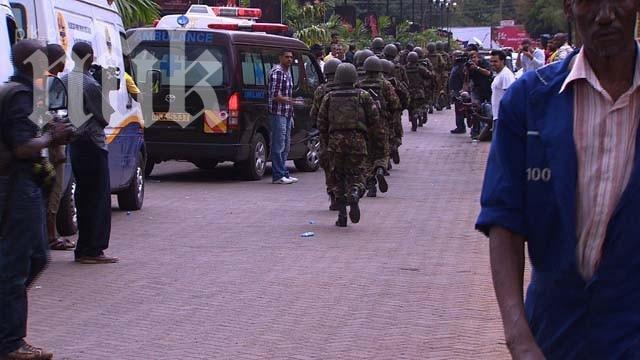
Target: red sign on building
pixel 509 36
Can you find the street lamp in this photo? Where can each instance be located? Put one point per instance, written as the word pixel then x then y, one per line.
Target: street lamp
pixel 445 7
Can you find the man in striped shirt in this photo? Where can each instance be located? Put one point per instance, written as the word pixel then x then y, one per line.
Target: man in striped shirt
pixel 563 177
pixel 281 117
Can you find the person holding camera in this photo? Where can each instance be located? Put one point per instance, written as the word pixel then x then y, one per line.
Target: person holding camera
pixel 529 57
pixel 456 86
pixel 25 176
pixel 90 111
pixel 480 76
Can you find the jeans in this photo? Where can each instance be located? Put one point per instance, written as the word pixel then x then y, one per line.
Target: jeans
pixel 93 197
pixel 460 125
pixel 24 254
pixel 280 145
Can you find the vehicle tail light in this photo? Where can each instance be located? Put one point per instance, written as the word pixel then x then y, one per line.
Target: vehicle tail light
pixel 156 22
pixel 233 121
pixel 231 27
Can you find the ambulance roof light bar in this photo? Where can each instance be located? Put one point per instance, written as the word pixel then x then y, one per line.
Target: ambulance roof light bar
pixel 242 13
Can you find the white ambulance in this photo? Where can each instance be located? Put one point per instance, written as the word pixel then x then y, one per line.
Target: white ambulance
pixel 98 23
pixel 7 38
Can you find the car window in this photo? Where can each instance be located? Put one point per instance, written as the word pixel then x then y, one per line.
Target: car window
pixel 295 71
pixel 20 16
pixel 11 30
pixel 253 72
pixel 313 80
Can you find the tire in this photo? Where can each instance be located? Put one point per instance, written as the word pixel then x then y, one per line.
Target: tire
pixel 67 219
pixel 148 166
pixel 132 198
pixel 206 164
pixel 254 168
pixel 311 161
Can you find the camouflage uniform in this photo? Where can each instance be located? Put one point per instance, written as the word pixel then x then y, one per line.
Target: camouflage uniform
pixel 419 77
pixel 438 70
pixel 404 96
pixel 448 65
pixel 351 132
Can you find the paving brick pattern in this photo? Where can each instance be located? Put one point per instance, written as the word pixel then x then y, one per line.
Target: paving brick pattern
pixel 215 268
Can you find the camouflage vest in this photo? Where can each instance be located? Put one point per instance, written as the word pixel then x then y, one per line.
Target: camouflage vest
pixel 374 88
pixel 347 113
pixel 416 82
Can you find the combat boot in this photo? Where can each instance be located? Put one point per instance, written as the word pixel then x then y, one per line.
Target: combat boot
pixel 354 207
pixel 382 182
pixel 372 191
pixel 395 156
pixel 414 123
pixel 334 203
pixel 430 109
pixel 342 215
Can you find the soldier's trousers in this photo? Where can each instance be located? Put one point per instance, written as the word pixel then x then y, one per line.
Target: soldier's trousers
pixel 329 176
pixel 349 171
pixel 396 136
pixel 416 107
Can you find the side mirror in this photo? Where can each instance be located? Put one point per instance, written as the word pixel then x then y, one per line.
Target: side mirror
pixel 154 77
pixel 56 97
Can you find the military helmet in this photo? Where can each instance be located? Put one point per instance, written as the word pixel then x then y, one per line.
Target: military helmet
pixel 346 74
pixel 331 66
pixel 431 47
pixel 388 67
pixel 440 46
pixel 377 44
pixel 413 57
pixel 390 51
pixel 364 55
pixel 373 64
pixel 419 51
pixel 403 57
pixel 356 57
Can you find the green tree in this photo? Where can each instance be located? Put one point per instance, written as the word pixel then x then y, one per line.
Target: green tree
pixel 545 17
pixel 137 12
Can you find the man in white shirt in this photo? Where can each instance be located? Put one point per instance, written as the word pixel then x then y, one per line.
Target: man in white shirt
pixel 501 82
pixel 529 57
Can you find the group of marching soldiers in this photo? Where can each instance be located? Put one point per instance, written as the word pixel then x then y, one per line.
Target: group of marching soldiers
pixel 358 112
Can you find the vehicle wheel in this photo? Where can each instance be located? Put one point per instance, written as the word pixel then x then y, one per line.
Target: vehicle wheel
pixel 132 197
pixel 255 166
pixel 67 219
pixel 311 162
pixel 148 166
pixel 206 164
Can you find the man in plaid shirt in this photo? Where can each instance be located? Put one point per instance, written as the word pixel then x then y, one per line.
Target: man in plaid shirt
pixel 281 116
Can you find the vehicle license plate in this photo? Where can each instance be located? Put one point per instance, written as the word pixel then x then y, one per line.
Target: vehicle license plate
pixel 171 116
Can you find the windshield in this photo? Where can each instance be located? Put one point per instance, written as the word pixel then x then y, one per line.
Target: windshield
pixel 181 66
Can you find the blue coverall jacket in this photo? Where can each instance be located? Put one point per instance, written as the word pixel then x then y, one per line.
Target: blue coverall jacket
pixel 530 189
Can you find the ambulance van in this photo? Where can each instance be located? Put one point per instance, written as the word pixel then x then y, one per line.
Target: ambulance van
pixel 209 72
pixel 98 23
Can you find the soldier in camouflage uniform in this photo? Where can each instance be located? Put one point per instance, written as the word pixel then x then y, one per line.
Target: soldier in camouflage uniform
pixel 395 136
pixel 438 70
pixel 418 77
pixel 448 65
pixel 431 83
pixel 377 45
pixel 390 53
pixel 330 68
pixel 351 132
pixel 358 61
pixel 383 94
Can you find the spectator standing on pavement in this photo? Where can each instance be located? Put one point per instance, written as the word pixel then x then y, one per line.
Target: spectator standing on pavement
pixel 90 111
pixel 561 41
pixel 456 86
pixel 57 156
pixel 23 241
pixel 564 152
pixel 503 79
pixel 348 57
pixel 281 116
pixel 480 76
pixel 337 52
pixel 529 57
pixel 317 52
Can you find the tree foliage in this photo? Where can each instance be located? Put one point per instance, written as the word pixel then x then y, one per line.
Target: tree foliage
pixel 137 12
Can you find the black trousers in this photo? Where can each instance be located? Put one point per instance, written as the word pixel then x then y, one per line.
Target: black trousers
pixel 93 197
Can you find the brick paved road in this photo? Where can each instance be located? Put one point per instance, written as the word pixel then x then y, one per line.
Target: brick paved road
pixel 215 268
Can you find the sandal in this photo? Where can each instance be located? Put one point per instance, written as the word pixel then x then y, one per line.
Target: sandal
pixel 62 244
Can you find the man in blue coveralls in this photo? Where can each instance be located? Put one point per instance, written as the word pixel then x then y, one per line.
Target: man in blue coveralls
pixel 564 177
